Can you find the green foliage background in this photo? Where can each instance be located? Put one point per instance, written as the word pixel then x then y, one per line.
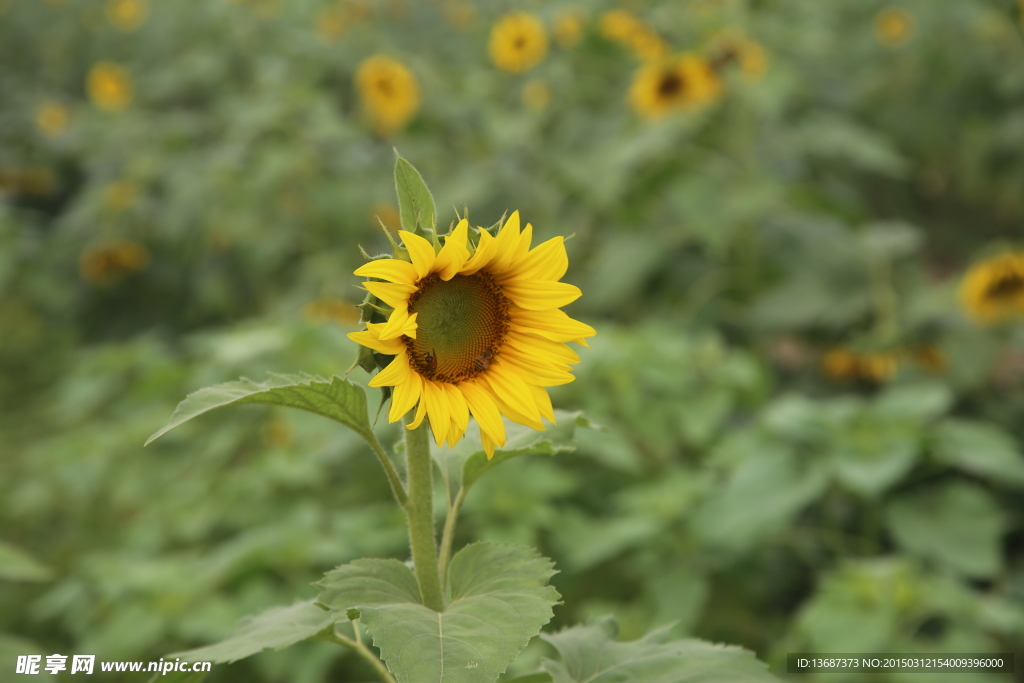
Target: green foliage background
pixel 738 491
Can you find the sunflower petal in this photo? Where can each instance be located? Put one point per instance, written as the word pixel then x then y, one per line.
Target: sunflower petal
pixel 395 373
pixel 486 247
pixel 454 253
pixel 421 412
pixel 547 411
pixel 389 347
pixel 555 325
pixel 485 410
pixel 547 261
pixel 541 296
pixel 405 397
pixel 420 251
pixel 459 412
pixel 510 389
pixel 393 294
pixel 506 244
pixel 438 411
pixel 398 324
pixel 389 269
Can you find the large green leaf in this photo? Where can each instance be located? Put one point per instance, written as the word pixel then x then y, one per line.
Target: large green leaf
pixel 415 203
pixel 463 465
pixel 498 600
pixel 17 565
pixel 957 524
pixel 274 629
pixel 872 452
pixel 335 398
pixel 590 654
pixel 981 449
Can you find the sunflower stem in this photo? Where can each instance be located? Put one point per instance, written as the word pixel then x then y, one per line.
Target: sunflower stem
pixel 363 651
pixel 449 534
pixel 419 511
pixel 389 469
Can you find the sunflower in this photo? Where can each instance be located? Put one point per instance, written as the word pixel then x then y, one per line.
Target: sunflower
pixel 846 365
pixel 104 263
pixel 127 15
pixel 518 42
pixel 479 333
pixel 735 48
pixel 994 289
pixel 893 26
pixel 52 119
pixel 568 27
pixel 624 28
pixel 681 82
pixel 109 86
pixel 389 92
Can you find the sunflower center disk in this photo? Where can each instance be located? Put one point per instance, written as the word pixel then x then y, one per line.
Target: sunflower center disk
pixel 1008 286
pixel 460 328
pixel 671 84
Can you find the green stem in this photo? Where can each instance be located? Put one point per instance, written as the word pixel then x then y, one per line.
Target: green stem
pixel 389 469
pixel 449 534
pixel 420 513
pixel 366 653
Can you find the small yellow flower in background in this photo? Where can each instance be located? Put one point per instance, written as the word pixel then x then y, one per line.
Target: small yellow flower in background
pixel 568 27
pixel 386 213
pixel 893 26
pixel 109 86
pixel 52 119
pixel 622 27
pixel 331 23
pixel 332 309
pixel 993 289
pixel 518 42
pixel 127 15
pixel 846 365
pixel 120 195
pixel 735 48
pixel 461 14
pixel 479 334
pixel 536 94
pixel 679 83
pixel 389 93
pixel 103 263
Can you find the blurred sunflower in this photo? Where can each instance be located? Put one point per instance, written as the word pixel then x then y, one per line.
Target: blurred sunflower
pixel 929 357
pixel 479 334
pixel 893 26
pixel 568 27
pixel 518 42
pixel 127 15
pixel 52 119
pixel 109 86
pixel 734 48
pixel 389 93
pixel 624 28
pixel 846 365
pixel 994 289
pixel 121 195
pixel 331 23
pixel 103 263
pixel 678 83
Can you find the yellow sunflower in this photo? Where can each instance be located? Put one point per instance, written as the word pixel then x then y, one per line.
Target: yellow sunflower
pixel 389 92
pixel 568 27
pixel 518 42
pixel 681 82
pixel 893 26
pixel 478 334
pixel 624 28
pixel 104 263
pixel 733 47
pixel 127 15
pixel 843 364
pixel 52 119
pixel 110 86
pixel 994 289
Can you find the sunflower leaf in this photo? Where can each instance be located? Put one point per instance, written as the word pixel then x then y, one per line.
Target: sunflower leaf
pixel 335 398
pixel 591 653
pixel 463 465
pixel 498 600
pixel 415 203
pixel 274 629
pixel 17 565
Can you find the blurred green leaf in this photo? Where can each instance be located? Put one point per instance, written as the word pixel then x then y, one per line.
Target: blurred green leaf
pixel 179 677
pixel 498 600
pixel 979 448
pixel 956 523
pixel 274 629
pixel 335 398
pixel 590 654
pixel 17 565
pixel 415 203
pixel 873 453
